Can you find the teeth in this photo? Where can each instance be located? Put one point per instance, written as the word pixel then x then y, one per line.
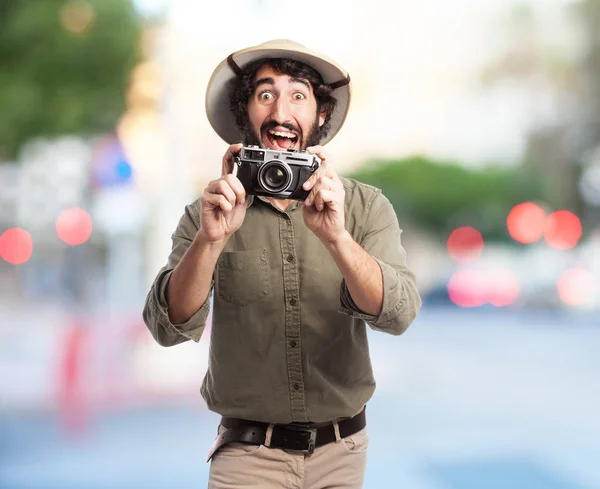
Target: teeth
pixel 283 134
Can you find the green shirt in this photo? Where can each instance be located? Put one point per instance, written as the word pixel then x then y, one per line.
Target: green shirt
pixel 287 342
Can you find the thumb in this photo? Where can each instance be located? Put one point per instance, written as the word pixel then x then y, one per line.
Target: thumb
pixel 227 166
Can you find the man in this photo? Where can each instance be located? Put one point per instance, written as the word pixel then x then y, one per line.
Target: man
pixel 294 282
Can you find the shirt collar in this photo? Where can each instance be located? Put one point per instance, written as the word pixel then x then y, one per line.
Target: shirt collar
pixel 251 199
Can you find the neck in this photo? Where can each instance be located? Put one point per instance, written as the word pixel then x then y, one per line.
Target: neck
pixel 282 205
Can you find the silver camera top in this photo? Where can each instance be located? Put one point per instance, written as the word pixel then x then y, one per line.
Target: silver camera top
pixel 256 154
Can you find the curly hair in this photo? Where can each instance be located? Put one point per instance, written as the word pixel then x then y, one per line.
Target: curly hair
pixel 242 88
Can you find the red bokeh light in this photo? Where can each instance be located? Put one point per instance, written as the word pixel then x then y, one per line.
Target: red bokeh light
pixel 16 246
pixel 526 222
pixel 465 244
pixel 74 226
pixel 563 230
pixel 474 288
pixel 466 288
pixel 576 286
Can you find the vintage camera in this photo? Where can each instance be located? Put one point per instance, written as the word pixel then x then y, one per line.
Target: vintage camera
pixel 273 173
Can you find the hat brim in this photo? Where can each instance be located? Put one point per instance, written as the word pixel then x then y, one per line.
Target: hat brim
pixel 217 93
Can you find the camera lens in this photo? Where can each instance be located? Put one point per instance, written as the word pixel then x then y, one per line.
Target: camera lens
pixel 275 176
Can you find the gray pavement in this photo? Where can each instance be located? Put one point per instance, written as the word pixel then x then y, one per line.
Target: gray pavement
pixel 465 400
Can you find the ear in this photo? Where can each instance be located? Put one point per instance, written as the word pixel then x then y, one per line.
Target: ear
pixel 322 117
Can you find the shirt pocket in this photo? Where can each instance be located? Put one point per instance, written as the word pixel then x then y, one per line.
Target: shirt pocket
pixel 243 276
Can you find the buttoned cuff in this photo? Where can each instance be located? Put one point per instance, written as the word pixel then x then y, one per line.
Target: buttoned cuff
pixel 194 326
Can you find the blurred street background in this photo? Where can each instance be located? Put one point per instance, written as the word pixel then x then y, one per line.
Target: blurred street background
pixel 480 120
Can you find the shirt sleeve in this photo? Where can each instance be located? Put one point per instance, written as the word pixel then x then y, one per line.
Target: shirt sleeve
pixel 401 300
pixel 156 308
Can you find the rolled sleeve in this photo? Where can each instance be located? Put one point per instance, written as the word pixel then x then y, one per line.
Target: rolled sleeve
pixel 156 308
pixel 401 300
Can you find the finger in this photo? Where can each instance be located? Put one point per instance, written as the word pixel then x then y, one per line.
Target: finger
pixel 321 182
pixel 217 200
pixel 314 178
pixel 227 166
pixel 315 150
pixel 319 151
pixel 224 188
pixel 237 187
pixel 322 171
pixel 324 197
pixel 310 181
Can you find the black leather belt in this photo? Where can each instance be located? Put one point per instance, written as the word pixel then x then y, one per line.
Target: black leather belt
pixel 295 437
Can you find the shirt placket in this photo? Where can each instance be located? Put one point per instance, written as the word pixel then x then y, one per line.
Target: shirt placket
pixel 292 318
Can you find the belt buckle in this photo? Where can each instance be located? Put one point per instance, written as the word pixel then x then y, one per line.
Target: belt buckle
pixel 311 441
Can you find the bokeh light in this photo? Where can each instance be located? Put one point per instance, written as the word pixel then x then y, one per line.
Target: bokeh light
pixel 111 167
pixel 74 226
pixel 16 246
pixel 473 287
pixel 465 244
pixel 526 222
pixel 563 230
pixel 576 286
pixel 502 287
pixel 77 16
pixel 466 288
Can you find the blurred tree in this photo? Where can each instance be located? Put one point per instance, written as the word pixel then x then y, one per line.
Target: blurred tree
pixel 557 56
pixel 64 67
pixel 441 196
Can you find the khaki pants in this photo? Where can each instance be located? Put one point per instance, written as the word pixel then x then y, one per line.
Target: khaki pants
pixel 338 465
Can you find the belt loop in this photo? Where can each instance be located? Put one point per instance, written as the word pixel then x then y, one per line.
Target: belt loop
pixel 336 429
pixel 269 434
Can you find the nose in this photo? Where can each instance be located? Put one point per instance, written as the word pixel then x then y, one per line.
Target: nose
pixel 282 111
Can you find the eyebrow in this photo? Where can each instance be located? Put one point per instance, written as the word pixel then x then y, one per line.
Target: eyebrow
pixel 271 81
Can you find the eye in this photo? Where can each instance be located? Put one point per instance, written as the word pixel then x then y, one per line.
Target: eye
pixel 299 96
pixel 265 96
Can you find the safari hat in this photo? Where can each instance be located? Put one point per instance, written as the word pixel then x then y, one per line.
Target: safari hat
pixel 217 93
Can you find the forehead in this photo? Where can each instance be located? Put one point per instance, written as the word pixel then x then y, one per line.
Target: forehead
pixel 267 72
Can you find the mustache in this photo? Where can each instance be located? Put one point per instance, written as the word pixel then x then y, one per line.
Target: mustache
pixel 273 124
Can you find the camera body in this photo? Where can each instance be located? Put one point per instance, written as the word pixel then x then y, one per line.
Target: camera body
pixel 275 173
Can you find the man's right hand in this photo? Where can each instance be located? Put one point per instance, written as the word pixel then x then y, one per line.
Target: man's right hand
pixel 223 202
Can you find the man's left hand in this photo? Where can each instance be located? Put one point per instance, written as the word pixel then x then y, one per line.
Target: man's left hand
pixel 324 207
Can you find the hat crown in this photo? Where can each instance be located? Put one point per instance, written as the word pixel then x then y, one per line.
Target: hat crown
pixel 280 42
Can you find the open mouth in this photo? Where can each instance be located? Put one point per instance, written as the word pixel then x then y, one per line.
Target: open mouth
pixel 281 139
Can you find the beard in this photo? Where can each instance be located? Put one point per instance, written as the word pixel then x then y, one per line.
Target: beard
pixel 312 138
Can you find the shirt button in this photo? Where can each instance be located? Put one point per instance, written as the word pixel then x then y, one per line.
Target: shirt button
pixel 290 258
pixel 293 344
pixel 293 302
pixel 296 387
